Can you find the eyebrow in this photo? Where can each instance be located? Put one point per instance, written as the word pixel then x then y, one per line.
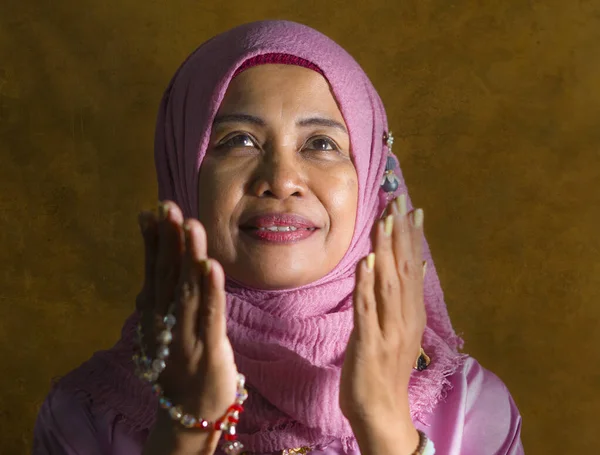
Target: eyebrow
pixel 239 118
pixel 320 121
pixel 247 118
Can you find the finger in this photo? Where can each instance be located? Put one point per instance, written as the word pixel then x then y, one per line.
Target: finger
pixel 188 292
pixel 407 268
pixel 197 251
pixel 409 264
pixel 198 238
pixel 416 307
pixel 387 284
pixel 416 231
pixel 366 323
pixel 212 312
pixel 148 228
pixel 170 249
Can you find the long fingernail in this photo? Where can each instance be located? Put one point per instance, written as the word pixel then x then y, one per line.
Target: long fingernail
pixel 205 266
pixel 371 261
pixel 389 225
pixel 186 233
pixel 401 204
pixel 163 210
pixel 418 218
pixel 424 268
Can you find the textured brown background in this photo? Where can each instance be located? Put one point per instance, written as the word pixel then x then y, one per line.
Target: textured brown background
pixel 495 106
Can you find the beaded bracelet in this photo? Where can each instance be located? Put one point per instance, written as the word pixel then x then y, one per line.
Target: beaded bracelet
pixel 149 370
pixel 426 446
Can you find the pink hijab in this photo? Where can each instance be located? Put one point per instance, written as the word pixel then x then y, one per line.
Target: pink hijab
pixel 290 344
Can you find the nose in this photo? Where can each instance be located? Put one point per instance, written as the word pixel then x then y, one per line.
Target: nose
pixel 280 176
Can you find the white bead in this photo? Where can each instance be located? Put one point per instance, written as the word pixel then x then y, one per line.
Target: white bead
pixel 429 448
pixel 165 337
pixel 188 421
pixel 242 396
pixel 158 365
pixel 241 380
pixel 169 320
pixel 175 413
pixel 233 447
pixel 162 352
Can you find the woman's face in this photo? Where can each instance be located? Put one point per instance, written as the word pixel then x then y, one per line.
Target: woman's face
pixel 278 190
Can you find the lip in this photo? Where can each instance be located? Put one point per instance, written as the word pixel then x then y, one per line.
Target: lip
pixel 256 228
pixel 278 237
pixel 266 220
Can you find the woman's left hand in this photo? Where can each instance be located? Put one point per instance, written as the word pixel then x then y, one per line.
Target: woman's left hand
pixel 389 320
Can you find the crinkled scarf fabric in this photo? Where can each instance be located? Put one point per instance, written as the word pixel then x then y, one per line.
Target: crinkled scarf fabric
pixel 290 344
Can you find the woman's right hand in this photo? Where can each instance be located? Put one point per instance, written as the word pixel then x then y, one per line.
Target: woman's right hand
pixel 201 375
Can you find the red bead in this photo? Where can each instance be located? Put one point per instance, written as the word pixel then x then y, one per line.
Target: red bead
pixel 218 424
pixel 233 420
pixel 236 407
pixel 230 437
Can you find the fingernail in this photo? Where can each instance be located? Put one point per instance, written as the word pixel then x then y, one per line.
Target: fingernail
pixel 424 268
pixel 371 261
pixel 163 210
pixel 205 265
pixel 389 225
pixel 401 204
pixel 418 218
pixel 186 233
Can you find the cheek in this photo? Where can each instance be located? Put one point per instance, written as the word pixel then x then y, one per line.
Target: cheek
pixel 342 202
pixel 216 198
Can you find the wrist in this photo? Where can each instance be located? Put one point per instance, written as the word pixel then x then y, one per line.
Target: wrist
pixel 169 437
pixel 387 436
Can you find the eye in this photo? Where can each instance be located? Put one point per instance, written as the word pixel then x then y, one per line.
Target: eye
pixel 238 141
pixel 322 144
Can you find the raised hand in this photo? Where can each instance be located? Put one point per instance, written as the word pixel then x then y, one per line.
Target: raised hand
pixel 389 320
pixel 200 375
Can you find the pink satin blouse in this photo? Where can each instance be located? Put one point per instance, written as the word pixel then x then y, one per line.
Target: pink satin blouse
pixel 478 417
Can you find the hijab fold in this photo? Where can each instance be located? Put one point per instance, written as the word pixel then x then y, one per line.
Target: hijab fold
pixel 290 344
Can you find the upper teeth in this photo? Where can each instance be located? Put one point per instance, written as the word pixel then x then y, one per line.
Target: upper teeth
pixel 279 228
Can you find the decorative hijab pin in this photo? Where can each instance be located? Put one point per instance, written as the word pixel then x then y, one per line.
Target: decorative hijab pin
pixel 390 181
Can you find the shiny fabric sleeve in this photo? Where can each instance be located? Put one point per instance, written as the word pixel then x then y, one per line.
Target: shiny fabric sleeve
pixel 68 424
pixel 65 426
pixel 492 423
pixel 477 417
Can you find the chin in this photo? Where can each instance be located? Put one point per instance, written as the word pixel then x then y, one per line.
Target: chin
pixel 276 276
pixel 272 282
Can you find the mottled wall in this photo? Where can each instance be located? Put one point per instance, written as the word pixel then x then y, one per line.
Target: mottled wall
pixel 495 106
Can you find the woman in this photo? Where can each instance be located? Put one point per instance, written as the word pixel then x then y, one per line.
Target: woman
pixel 270 256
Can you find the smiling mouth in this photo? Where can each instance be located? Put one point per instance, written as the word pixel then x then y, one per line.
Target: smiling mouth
pixel 283 229
pixel 279 234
